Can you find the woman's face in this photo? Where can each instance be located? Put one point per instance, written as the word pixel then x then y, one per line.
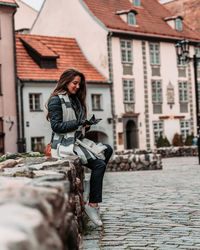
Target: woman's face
pixel 74 85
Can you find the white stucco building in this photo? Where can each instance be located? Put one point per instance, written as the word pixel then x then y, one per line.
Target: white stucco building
pixel 133 44
pixel 40 62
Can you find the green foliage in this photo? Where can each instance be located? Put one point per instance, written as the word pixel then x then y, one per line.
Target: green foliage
pixel 177 140
pixel 32 155
pixel 189 140
pixel 162 142
pixel 2 158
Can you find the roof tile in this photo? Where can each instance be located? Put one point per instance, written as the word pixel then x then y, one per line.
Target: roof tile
pixel 150 18
pixel 70 56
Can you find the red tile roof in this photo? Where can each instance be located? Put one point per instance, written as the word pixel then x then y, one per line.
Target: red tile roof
pixel 190 9
pixel 150 18
pixel 70 56
pixel 39 47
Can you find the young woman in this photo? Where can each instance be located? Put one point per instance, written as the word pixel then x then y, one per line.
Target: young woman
pixel 67 114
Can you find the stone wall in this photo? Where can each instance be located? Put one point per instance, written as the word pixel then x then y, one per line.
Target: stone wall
pixel 41 203
pixel 177 151
pixel 130 160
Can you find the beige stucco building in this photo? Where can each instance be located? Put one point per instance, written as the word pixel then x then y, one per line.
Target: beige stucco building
pixel 8 113
pixel 24 17
pixel 133 44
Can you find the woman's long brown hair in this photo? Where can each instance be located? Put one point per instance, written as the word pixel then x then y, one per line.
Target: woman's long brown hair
pixel 61 87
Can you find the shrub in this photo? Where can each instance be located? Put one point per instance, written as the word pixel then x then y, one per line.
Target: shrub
pixel 162 142
pixel 189 140
pixel 177 140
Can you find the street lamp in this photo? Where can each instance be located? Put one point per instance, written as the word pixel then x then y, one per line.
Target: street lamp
pixel 182 50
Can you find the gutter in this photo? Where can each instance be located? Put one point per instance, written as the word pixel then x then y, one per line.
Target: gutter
pixel 23 80
pixel 10 5
pixel 149 36
pixel 98 82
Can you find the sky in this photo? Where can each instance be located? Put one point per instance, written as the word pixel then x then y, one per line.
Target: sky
pixel 36 4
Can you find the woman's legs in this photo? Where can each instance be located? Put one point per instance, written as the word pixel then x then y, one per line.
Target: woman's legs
pixel 98 168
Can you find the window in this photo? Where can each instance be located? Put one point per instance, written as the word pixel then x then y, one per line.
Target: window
pixel 157 97
pixel 178 24
pixel 181 61
pixel 128 86
pixel 183 92
pixel 157 130
pixel 37 144
pixel 197 53
pixel 126 51
pixel 183 97
pixel 0 82
pixel 96 102
pixel 35 102
pixel 154 53
pixel 131 19
pixel 156 92
pixel 185 129
pixel 136 3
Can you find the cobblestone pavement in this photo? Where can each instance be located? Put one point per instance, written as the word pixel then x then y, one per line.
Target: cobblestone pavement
pixel 150 209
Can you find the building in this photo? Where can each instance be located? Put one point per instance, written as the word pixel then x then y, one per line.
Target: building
pixel 133 44
pixel 188 9
pixel 40 62
pixel 24 17
pixel 8 112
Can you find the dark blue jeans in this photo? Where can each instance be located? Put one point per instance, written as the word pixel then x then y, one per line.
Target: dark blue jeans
pixel 98 168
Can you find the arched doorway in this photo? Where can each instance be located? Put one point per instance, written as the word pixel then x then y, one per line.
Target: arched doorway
pixel 131 135
pixel 97 136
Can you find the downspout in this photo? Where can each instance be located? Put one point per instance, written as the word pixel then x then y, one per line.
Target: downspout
pixel 110 67
pixel 15 73
pixel 21 139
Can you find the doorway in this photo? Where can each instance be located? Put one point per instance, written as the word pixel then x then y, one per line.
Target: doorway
pixel 131 135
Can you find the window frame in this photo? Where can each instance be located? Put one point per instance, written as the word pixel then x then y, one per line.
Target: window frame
pixel 185 130
pixel 159 130
pixel 183 92
pixel 33 102
pixel 197 53
pixel 136 3
pixel 154 54
pixel 36 138
pixel 178 24
pixel 131 19
pixel 128 51
pixel 128 88
pixel 157 91
pixel 94 101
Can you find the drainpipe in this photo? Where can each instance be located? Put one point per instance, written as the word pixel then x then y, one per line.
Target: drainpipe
pixel 110 66
pixel 21 140
pixel 15 73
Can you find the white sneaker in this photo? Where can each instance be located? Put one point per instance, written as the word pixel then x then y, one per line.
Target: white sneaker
pixel 86 193
pixel 93 214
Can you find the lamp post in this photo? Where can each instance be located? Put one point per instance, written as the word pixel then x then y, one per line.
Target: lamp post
pixel 182 50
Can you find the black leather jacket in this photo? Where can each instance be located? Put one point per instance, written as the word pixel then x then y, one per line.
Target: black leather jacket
pixel 56 117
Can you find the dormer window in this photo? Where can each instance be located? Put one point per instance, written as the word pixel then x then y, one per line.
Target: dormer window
pixel 131 20
pixel 175 22
pixel 178 24
pixel 136 3
pixel 44 56
pixel 128 16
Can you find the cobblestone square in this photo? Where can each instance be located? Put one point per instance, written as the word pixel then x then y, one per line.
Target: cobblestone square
pixel 150 209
